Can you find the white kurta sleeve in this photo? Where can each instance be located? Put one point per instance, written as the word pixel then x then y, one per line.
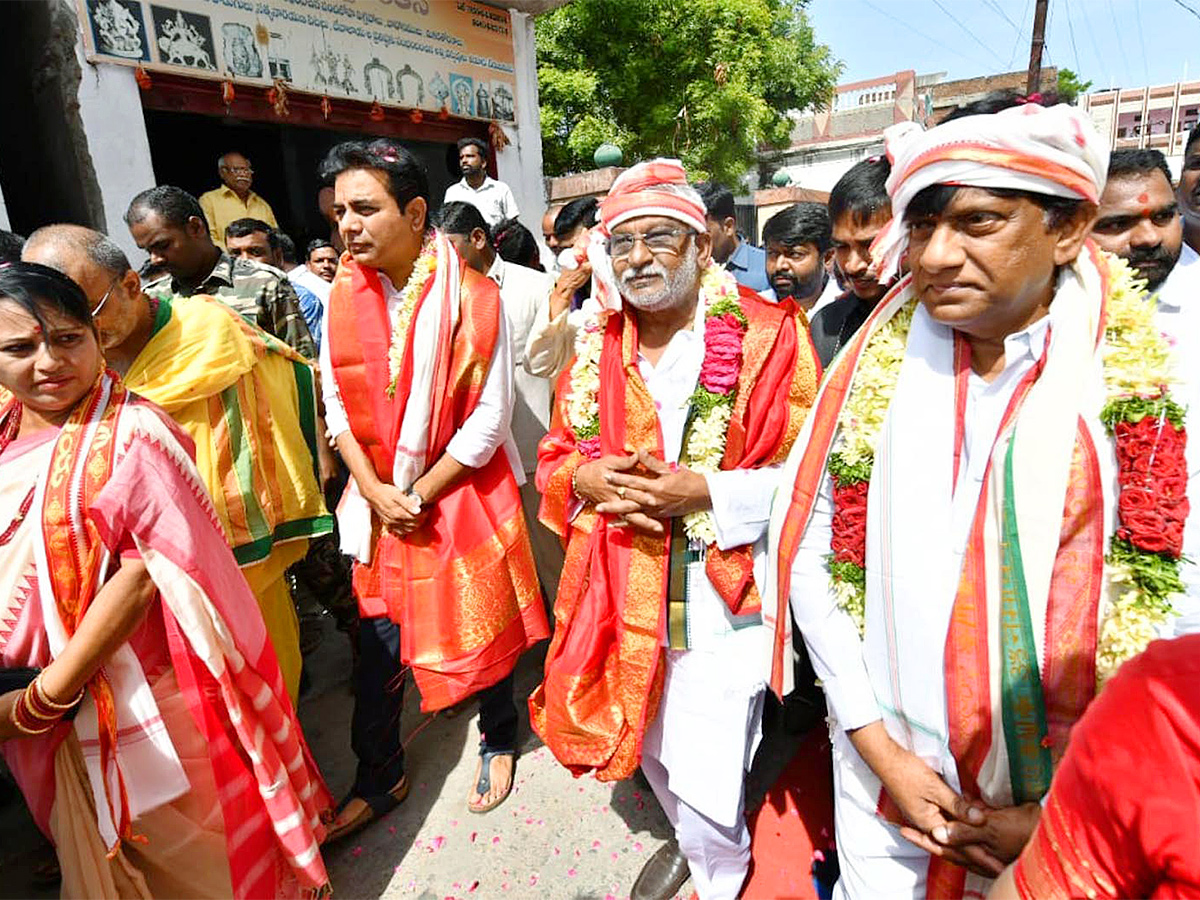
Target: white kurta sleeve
pixel 336 422
pixel 488 425
pixel 551 343
pixel 741 504
pixel 831 636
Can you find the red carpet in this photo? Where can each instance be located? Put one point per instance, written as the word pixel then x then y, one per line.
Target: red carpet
pixel 795 821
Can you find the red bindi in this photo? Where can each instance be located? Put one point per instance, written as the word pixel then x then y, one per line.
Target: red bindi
pixel 1143 197
pixel 37 329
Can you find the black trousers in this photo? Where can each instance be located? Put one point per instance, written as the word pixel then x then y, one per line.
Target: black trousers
pixel 379 698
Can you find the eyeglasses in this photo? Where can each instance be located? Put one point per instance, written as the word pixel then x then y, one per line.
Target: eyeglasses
pixel 112 287
pixel 239 170
pixel 657 241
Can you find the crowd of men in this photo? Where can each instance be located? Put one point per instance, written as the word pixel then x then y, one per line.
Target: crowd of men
pixel 892 428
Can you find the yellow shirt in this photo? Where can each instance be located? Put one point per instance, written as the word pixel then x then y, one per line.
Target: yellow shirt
pixel 222 206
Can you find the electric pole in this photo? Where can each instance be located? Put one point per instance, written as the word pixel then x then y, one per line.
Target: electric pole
pixel 1033 82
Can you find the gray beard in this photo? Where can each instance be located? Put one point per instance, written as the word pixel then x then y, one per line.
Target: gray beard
pixel 677 288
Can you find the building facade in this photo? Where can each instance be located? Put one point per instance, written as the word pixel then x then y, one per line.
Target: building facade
pixel 120 95
pixel 825 143
pixel 1158 117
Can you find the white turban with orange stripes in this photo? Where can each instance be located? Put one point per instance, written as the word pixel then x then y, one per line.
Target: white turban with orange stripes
pixel 652 188
pixel 1047 150
pixel 657 187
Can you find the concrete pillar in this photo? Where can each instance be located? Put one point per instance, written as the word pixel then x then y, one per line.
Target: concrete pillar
pixel 519 165
pixel 115 130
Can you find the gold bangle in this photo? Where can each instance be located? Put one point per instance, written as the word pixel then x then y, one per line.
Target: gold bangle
pixel 30 730
pixel 49 705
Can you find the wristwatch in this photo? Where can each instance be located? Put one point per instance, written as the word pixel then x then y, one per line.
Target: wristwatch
pixel 412 492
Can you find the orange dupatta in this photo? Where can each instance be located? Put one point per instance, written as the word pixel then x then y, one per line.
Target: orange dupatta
pixel 603 675
pixel 463 588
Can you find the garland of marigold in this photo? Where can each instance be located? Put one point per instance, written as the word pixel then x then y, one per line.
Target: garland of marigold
pixel 711 403
pixel 1140 415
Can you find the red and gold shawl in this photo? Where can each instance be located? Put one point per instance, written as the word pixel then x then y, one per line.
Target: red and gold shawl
pixel 603 673
pixel 463 588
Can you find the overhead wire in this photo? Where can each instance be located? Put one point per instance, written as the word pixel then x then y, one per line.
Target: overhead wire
pixel 1017 43
pixel 921 34
pixel 1142 41
pixel 1071 31
pixel 1112 11
pixel 1100 60
pixel 970 33
pixel 996 7
pixel 1190 9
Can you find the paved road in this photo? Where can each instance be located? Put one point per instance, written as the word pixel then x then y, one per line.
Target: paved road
pixel 555 837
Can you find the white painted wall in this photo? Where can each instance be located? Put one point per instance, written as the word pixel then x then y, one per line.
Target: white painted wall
pixel 519 164
pixel 116 134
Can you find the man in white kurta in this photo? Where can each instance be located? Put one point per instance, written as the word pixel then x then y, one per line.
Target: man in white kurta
pixel 524 294
pixel 995 396
pixel 695 747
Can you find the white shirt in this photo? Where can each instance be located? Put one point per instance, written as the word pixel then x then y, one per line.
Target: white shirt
pixel 484 431
pixel 1179 318
pixel 833 640
pixel 741 501
pixel 551 342
pixel 524 293
pixel 305 277
pixel 492 198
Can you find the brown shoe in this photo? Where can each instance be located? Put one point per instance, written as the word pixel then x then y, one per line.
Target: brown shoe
pixel 663 874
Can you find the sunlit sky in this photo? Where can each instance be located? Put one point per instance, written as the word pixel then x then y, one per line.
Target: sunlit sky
pixel 1117 43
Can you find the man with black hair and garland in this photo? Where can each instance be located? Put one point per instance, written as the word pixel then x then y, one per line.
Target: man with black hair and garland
pixel 685 394
pixel 985 514
pixel 417 373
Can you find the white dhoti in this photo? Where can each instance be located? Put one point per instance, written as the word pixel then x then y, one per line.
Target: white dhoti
pixel 695 757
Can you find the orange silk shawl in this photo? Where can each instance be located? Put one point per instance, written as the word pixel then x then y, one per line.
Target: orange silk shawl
pixel 462 588
pixel 603 675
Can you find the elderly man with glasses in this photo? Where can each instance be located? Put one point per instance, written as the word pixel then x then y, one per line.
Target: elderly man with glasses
pixel 233 200
pixel 246 400
pixel 685 392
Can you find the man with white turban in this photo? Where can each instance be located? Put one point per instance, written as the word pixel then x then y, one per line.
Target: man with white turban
pixel 983 517
pixel 684 396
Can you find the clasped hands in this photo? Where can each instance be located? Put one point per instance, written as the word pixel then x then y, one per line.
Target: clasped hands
pixel 400 513
pixel 945 824
pixel 640 490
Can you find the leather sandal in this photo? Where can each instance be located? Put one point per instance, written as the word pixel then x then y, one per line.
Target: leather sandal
pixel 376 807
pixel 484 784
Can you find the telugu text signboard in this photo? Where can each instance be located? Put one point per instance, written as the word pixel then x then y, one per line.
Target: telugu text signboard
pixel 413 53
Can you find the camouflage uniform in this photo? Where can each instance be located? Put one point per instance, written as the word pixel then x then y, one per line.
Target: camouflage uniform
pixel 261 293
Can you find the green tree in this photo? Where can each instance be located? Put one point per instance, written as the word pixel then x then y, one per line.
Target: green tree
pixel 1070 87
pixel 707 81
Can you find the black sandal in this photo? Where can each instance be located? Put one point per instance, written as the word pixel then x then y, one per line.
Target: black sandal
pixel 484 784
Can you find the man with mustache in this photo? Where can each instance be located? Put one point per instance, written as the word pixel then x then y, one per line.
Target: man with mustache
pixel 951 515
pixel 1139 221
pixel 859 208
pixel 1139 215
pixel 233 200
pixel 798 248
pixel 685 392
pixel 491 197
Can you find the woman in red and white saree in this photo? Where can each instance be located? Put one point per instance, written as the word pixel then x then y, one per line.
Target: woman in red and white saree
pixel 183 771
